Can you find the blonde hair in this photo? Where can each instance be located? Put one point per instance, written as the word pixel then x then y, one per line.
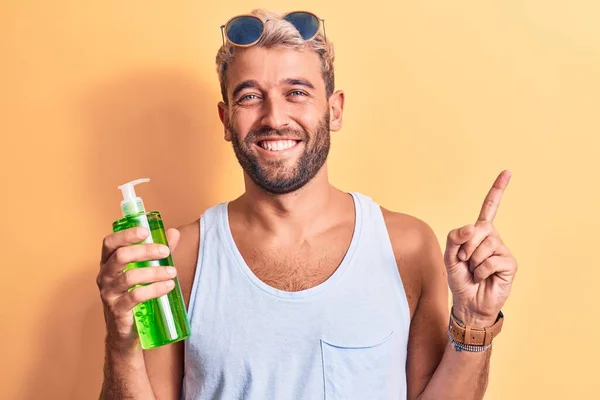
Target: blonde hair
pixel 279 32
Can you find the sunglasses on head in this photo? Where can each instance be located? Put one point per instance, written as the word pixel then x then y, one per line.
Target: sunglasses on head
pixel 246 30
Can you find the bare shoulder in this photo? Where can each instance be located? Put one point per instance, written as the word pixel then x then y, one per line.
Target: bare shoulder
pixel 417 252
pixel 410 235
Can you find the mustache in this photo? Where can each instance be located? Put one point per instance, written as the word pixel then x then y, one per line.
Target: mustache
pixel 265 132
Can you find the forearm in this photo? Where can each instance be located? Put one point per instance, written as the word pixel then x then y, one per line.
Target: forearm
pixel 460 375
pixel 125 376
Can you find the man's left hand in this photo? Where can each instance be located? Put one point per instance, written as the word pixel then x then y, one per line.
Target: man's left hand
pixel 480 267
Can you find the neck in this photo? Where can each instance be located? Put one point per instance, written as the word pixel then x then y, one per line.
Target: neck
pixel 298 213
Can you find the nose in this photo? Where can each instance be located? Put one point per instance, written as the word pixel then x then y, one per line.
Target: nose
pixel 275 113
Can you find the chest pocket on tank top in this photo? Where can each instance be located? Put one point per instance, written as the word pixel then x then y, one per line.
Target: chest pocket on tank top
pixel 359 371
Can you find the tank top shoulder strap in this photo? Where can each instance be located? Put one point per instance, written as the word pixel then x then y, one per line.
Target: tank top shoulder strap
pixel 210 235
pixel 378 244
pixel 372 215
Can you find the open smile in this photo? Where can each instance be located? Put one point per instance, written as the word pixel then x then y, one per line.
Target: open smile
pixel 278 147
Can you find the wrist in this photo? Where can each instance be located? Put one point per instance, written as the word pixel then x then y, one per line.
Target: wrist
pixel 466 332
pixel 116 349
pixel 469 318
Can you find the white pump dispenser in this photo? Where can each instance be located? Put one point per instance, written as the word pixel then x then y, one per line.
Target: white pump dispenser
pixel 132 204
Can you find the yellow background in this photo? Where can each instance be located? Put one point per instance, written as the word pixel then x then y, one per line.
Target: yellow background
pixel 441 96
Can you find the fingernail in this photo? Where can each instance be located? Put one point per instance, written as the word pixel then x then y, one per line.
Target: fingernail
pixel 171 271
pixel 462 255
pixel 142 232
pixel 170 284
pixel 163 250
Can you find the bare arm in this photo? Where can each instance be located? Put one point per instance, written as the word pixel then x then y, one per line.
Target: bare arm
pixel 130 372
pixel 479 270
pixel 125 375
pixel 165 364
pixel 459 374
pixel 434 369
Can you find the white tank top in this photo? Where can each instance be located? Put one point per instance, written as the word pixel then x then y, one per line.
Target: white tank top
pixel 343 339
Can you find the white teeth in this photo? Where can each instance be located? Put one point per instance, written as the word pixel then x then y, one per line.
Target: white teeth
pixel 277 145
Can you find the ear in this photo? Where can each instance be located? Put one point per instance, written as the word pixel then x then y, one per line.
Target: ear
pixel 336 110
pixel 224 117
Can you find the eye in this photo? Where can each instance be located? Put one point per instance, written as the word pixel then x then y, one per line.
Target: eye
pixel 249 98
pixel 298 96
pixel 298 93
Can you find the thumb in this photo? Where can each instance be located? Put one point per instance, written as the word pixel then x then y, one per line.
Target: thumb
pixel 173 236
pixel 457 238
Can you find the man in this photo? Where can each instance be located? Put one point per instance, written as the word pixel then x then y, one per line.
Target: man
pixel 296 290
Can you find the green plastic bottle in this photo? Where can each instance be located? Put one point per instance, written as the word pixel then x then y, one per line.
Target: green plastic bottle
pixel 162 320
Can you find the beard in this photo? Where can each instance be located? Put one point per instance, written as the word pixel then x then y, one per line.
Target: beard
pixel 274 176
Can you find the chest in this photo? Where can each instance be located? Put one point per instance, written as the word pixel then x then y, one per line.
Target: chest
pixel 290 263
pixel 295 267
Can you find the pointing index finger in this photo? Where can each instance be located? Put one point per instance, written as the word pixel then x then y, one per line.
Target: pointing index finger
pixel 492 200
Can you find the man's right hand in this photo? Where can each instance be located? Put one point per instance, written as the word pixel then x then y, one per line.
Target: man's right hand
pixel 118 250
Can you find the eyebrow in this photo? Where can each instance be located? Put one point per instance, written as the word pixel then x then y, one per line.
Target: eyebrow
pixel 252 84
pixel 298 82
pixel 244 85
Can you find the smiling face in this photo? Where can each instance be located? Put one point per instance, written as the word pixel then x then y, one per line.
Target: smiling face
pixel 278 116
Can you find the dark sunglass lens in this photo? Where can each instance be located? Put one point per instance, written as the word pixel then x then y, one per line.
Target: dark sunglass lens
pixel 244 30
pixel 307 24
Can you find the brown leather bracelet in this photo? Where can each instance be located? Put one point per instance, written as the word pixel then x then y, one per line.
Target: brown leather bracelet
pixel 474 336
